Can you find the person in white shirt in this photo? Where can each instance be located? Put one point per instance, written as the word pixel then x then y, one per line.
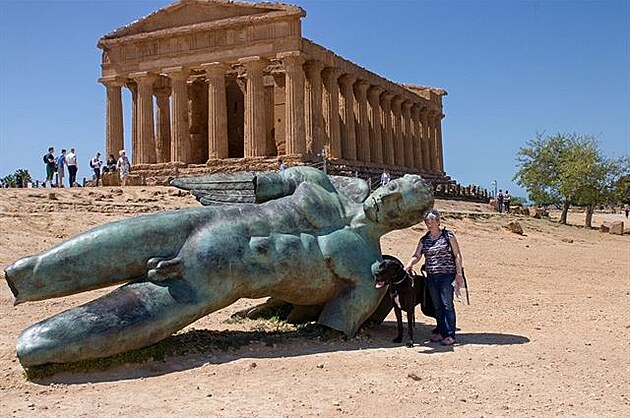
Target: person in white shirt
pixel 385 178
pixel 73 167
pixel 96 164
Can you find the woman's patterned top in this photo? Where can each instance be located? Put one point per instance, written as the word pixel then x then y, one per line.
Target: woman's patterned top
pixel 438 254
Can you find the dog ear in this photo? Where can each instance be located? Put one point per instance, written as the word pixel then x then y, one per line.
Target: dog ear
pixel 382 268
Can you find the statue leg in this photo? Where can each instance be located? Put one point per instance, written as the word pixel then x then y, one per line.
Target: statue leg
pixel 133 316
pixel 109 254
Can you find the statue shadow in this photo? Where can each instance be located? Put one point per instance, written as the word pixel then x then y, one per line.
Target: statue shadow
pixel 196 348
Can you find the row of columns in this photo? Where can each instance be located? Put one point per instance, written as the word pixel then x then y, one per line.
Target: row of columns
pixel 355 120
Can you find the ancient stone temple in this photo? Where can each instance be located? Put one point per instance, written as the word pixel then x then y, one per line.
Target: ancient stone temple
pixel 221 84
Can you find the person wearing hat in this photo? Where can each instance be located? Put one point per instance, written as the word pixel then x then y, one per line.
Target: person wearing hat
pixel 443 264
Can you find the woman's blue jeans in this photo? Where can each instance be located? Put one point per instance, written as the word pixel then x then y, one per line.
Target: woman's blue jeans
pixel 441 291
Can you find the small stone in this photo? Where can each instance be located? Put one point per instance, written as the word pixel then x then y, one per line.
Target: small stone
pixel 515 226
pixel 414 376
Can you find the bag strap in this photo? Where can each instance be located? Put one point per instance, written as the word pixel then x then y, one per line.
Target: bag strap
pixel 445 233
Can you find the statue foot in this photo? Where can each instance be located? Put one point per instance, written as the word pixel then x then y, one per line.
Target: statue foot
pixel 160 269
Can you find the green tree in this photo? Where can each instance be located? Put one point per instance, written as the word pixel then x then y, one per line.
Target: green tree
pixel 18 179
pixel 566 169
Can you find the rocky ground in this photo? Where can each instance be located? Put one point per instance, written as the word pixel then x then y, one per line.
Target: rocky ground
pixel 547 332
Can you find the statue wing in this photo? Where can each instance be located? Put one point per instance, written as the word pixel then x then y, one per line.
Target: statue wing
pixel 353 187
pixel 220 188
pixel 246 187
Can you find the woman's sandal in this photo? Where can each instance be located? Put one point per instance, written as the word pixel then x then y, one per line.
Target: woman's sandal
pixel 448 341
pixel 436 338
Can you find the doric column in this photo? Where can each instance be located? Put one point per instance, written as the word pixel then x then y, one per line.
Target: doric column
pixel 198 120
pixel 313 108
pixel 426 157
pixel 388 137
pixel 114 131
pixel 294 89
pixel 431 139
pixel 374 119
pixel 399 143
pixel 163 132
pixel 346 109
pixel 181 148
pixel 408 133
pixel 254 107
pixel 135 153
pixel 331 111
pixel 438 142
pixel 417 136
pixel 363 131
pixel 217 110
pixel 146 134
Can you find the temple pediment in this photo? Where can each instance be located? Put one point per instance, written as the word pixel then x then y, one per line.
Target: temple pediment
pixel 190 13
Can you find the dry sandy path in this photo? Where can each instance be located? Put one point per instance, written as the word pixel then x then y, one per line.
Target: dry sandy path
pixel 547 333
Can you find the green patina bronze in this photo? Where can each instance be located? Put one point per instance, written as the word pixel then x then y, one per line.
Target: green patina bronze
pixel 304 242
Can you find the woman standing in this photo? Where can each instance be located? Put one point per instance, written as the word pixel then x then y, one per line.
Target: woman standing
pixel 123 167
pixel 444 272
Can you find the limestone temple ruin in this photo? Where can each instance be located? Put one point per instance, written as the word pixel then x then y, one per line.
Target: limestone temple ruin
pixel 227 85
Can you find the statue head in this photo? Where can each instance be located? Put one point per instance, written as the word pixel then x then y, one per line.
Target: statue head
pixel 400 203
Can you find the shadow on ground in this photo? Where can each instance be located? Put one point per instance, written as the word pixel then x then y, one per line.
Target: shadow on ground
pixel 196 348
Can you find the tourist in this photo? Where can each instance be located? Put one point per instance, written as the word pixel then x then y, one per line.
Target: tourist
pixel 385 178
pixel 73 167
pixel 110 164
pixel 281 165
pixel 444 274
pixel 500 201
pixel 506 201
pixel 95 164
pixel 627 210
pixel 51 166
pixel 123 167
pixel 61 164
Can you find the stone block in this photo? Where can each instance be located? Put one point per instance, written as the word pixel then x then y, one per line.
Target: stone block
pixel 515 226
pixel 134 180
pixel 535 212
pixel 110 179
pixel 616 227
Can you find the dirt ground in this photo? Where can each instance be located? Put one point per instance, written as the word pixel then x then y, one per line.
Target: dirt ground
pixel 547 332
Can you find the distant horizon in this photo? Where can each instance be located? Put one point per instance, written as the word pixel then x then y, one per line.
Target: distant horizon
pixel 511 69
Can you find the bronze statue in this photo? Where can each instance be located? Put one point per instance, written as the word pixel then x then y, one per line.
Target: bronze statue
pixel 304 242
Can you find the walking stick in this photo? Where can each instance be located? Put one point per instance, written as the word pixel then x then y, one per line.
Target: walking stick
pixel 466 287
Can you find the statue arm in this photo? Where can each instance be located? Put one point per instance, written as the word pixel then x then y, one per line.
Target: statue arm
pixel 274 185
pixel 352 260
pixel 352 306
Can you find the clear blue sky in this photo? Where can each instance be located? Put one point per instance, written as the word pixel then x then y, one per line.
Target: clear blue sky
pixel 511 69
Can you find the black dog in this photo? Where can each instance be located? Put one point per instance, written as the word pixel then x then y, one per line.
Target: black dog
pixel 391 273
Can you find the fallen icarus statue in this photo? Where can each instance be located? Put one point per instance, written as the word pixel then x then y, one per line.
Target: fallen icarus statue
pixel 304 242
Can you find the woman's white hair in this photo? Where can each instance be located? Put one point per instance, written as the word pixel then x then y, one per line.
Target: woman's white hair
pixel 433 214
